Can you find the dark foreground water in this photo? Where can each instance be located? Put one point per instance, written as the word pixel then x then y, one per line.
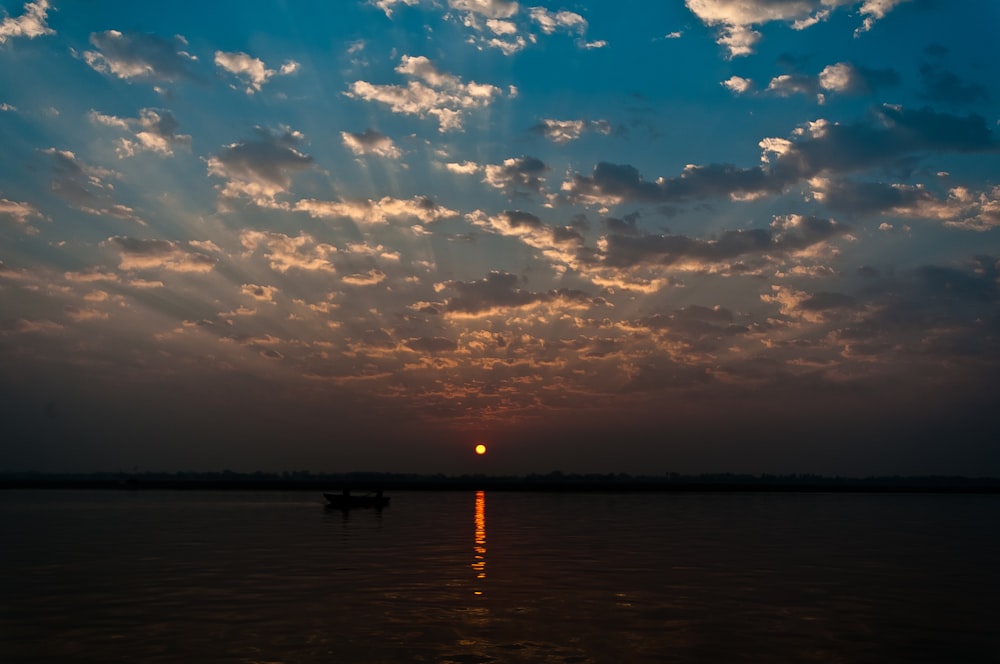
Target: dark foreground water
pixel 499 577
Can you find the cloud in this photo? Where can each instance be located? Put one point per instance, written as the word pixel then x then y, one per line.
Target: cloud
pixel 556 242
pixel 825 300
pixel 849 78
pixel 788 234
pixel 550 21
pixel 517 176
pixel 613 184
pixel 818 307
pixel 140 254
pixel 960 208
pixel 662 373
pixel 925 316
pixel 738 84
pixel 564 131
pixel 155 130
pixel 944 86
pixel 388 5
pixel 252 71
pixel 25 326
pixel 260 168
pixel 429 92
pixel 371 142
pixel 285 253
pixel 735 19
pixel 260 293
pixel 29 24
pixel 875 10
pixel 842 78
pixel 370 278
pixel 816 148
pixel 464 168
pixel 694 323
pixel 788 84
pixel 140 56
pixel 503 24
pixel 20 214
pixel 488 8
pixel 498 292
pixel 432 345
pixel 376 211
pixel 86 188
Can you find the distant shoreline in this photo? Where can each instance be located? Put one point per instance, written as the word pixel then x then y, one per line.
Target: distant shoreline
pixel 555 482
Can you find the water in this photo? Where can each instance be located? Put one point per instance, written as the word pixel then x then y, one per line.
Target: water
pixel 498 577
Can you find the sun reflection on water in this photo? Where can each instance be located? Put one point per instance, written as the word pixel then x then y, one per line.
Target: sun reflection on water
pixel 479 548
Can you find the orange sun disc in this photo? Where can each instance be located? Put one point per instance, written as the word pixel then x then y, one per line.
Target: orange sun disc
pixel 480 449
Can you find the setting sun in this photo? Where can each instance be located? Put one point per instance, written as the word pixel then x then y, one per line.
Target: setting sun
pixel 480 449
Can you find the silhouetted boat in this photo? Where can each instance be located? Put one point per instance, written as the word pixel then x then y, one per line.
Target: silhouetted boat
pixel 346 500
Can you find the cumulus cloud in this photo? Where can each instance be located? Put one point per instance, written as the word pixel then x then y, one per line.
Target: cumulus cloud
pixel 20 214
pixel 260 293
pixel 371 142
pixel 559 244
pixel 817 148
pixel 429 92
pixel 140 56
pixel 499 292
pixel 735 19
pixel 695 323
pixel 959 208
pixel 613 184
pixel 388 6
pixel 155 130
pixel 86 188
pixel 431 345
pixel 31 23
pixel 370 278
pixel 487 8
pixel 260 168
pixel 841 78
pixel 815 307
pixel 564 131
pixel 252 71
pixel 463 168
pixel 369 211
pixel 788 234
pixel 944 86
pixel 504 24
pixel 141 254
pixel 850 78
pixel 517 175
pixel 550 21
pixel 874 10
pixel 738 84
pixel 285 252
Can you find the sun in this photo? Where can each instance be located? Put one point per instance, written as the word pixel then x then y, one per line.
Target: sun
pixel 480 449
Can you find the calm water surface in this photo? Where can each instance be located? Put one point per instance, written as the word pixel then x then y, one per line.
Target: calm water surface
pixel 499 577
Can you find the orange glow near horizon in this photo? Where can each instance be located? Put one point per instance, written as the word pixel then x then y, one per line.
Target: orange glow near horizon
pixel 480 449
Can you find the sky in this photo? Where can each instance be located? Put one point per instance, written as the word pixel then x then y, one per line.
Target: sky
pixel 754 236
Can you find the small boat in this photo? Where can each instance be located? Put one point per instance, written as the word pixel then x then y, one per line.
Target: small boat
pixel 346 500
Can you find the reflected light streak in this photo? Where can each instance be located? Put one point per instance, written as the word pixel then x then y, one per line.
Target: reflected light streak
pixel 479 547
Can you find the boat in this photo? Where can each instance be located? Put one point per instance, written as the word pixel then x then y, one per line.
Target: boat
pixel 345 500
